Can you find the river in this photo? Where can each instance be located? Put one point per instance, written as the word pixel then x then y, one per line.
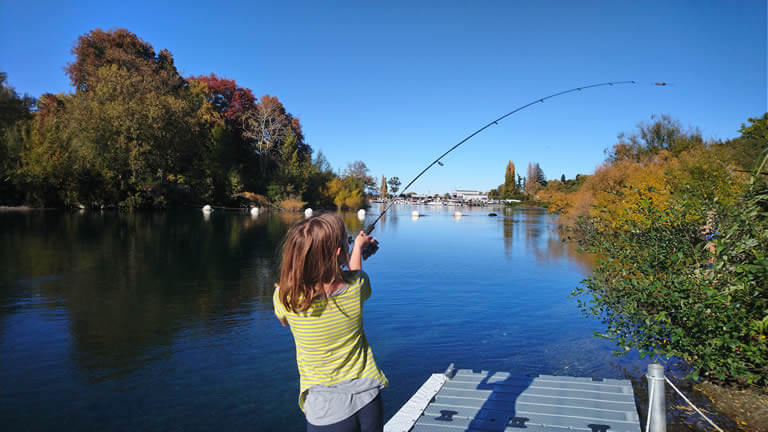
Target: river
pixel 163 321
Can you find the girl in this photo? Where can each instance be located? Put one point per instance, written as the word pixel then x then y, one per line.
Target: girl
pixel 323 305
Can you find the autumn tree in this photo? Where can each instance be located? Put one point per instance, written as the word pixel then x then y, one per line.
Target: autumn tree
pixel 383 187
pixel 126 51
pixel 228 101
pixel 662 133
pixel 345 193
pixel 358 171
pixel 532 185
pixel 134 134
pixel 509 188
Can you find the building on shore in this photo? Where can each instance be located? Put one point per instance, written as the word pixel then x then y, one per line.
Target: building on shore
pixel 466 195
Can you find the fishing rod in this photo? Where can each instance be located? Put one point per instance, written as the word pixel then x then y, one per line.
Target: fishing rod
pixel 437 161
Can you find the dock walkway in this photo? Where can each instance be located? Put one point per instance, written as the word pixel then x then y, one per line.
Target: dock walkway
pixel 464 400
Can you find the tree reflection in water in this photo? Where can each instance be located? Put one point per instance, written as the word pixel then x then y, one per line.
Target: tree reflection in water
pixel 541 237
pixel 130 282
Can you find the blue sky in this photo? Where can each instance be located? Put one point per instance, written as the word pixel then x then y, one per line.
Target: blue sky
pixel 397 83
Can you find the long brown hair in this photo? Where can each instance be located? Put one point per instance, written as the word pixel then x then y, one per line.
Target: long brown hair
pixel 309 260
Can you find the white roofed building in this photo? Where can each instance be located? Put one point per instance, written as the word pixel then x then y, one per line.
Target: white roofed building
pixel 469 195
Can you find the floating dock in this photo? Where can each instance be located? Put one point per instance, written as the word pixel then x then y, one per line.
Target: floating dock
pixel 484 401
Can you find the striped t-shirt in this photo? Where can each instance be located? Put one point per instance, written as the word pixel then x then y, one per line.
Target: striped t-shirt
pixel 330 342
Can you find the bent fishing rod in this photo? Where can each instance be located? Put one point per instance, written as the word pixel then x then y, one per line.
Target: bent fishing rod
pixel 438 161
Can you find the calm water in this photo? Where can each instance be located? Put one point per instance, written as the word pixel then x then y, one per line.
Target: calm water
pixel 163 321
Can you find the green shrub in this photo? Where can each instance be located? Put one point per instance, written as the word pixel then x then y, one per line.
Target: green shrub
pixel 660 291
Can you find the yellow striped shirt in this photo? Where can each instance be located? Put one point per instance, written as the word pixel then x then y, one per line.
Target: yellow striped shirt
pixel 330 342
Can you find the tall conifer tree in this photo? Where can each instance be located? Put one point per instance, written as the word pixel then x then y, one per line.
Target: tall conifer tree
pixel 509 180
pixel 383 187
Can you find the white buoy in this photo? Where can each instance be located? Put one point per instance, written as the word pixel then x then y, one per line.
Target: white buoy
pixel 207 208
pixel 457 215
pixel 308 213
pixel 415 213
pixel 361 214
pixel 254 211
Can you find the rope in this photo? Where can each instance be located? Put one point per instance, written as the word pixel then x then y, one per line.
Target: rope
pixel 650 402
pixel 694 406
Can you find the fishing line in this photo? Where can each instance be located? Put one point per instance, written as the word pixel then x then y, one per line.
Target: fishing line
pixel 494 122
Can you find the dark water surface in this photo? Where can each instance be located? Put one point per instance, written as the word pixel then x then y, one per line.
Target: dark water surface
pixel 163 321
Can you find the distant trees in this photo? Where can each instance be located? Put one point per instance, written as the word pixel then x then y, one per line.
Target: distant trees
pixel 348 190
pixel 345 193
pixel 535 179
pixel 359 172
pixel 516 186
pixel 136 134
pixel 659 162
pixel 394 185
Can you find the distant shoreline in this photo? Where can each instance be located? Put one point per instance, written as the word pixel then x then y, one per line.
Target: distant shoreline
pixel 18 208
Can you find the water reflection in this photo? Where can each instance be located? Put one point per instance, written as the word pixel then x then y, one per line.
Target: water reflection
pixel 119 309
pixel 131 282
pixel 542 237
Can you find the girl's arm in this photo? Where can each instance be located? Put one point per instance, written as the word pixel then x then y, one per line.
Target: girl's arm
pixel 356 258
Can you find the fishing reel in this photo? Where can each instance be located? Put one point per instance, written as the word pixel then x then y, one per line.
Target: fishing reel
pixel 370 248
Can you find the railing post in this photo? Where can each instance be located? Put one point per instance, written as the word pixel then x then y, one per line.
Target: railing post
pixel 656 406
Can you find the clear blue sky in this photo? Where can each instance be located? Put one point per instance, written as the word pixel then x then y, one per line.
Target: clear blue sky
pixel 397 83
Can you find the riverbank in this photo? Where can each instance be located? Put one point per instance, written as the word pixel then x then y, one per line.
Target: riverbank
pixel 747 407
pixel 17 208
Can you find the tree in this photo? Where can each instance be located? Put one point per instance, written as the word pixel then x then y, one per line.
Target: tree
pixel 14 113
pixel 394 185
pixel 531 179
pixel 268 127
pixel 123 49
pixel 136 134
pixel 383 187
pixel 123 140
pixel 345 193
pixel 663 133
pixel 745 149
pixel 562 178
pixel 12 106
pixel 540 177
pixel 358 171
pixel 509 181
pixel 320 175
pixel 228 101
